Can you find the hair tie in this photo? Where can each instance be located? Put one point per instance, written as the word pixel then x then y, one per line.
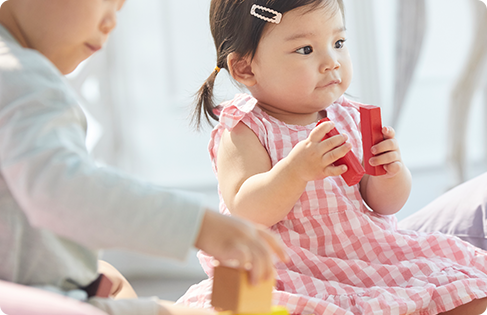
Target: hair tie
pixel 217 69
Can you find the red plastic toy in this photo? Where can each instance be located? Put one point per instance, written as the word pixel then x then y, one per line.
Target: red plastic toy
pixel 355 170
pixel 371 126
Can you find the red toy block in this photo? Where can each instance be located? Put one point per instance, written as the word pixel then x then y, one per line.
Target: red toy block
pixel 371 126
pixel 355 171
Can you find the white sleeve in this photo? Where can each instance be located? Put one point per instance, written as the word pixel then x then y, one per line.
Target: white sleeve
pixel 46 166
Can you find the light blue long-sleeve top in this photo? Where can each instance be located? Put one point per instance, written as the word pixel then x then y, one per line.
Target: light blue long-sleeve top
pixel 57 208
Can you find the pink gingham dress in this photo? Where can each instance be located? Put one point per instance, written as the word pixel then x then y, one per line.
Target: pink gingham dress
pixel 346 259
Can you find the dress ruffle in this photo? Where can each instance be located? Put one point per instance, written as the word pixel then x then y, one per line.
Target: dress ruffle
pixel 232 112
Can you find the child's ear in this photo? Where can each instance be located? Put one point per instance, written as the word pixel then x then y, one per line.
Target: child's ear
pixel 240 69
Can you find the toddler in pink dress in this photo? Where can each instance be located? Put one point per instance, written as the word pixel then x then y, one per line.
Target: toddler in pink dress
pixel 346 254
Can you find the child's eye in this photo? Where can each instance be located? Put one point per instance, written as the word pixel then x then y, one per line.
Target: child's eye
pixel 306 50
pixel 339 44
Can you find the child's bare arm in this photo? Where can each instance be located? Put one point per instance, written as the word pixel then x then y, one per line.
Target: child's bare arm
pixel 255 190
pixel 387 194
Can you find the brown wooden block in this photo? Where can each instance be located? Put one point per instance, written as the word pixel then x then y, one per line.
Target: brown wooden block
pixel 233 292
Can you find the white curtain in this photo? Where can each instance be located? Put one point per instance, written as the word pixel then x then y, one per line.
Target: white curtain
pixel 468 83
pixel 410 31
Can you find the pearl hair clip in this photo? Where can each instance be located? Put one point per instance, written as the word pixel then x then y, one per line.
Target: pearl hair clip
pixel 277 16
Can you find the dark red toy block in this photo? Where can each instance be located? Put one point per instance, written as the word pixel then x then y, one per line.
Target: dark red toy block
pixel 101 287
pixel 371 126
pixel 355 170
pixel 105 287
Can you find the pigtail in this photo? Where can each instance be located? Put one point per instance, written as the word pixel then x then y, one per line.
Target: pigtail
pixel 204 102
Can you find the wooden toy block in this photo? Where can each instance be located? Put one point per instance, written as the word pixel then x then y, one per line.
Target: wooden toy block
pixel 371 126
pixel 233 292
pixel 355 170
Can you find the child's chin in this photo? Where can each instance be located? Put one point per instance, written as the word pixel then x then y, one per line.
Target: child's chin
pixel 67 69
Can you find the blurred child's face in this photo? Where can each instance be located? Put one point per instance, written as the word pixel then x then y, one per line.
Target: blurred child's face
pixel 301 65
pixel 65 31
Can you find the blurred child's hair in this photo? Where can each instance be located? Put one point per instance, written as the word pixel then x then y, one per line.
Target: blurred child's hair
pixel 235 30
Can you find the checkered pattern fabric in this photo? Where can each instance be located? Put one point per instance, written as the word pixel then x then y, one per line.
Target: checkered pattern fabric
pixel 346 259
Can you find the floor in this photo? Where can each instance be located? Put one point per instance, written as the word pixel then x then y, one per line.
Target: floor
pixel 427 185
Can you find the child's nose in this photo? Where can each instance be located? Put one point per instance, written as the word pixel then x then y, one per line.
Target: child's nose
pixel 329 62
pixel 109 22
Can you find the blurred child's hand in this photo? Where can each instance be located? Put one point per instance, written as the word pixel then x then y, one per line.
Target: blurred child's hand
pixel 387 153
pixel 121 288
pixel 313 158
pixel 230 239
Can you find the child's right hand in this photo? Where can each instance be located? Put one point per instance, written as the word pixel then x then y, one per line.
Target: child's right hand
pixel 247 245
pixel 313 158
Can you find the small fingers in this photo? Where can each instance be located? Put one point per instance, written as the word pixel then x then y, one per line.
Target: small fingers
pixel 320 131
pixel 276 245
pixel 261 266
pixel 333 170
pixel 333 155
pixel 255 256
pixel 257 269
pixel 385 146
pixel 393 168
pixel 238 256
pixel 334 142
pixel 388 132
pixel 385 158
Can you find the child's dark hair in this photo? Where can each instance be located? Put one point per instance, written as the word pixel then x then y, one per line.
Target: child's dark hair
pixel 235 30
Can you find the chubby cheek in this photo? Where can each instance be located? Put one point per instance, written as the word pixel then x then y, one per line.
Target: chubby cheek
pixel 298 79
pixel 295 87
pixel 346 73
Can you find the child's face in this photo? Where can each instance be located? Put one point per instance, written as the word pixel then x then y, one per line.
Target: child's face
pixel 301 65
pixel 66 31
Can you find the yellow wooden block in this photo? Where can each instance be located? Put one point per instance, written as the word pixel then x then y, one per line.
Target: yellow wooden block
pixel 275 310
pixel 233 292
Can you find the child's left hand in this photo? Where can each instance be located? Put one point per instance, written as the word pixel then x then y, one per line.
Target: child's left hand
pixel 387 154
pixel 387 194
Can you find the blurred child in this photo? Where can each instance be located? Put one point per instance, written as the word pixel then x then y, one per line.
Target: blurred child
pixel 57 207
pixel 347 256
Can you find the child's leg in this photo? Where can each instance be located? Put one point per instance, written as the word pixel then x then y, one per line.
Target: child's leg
pixel 121 288
pixel 476 307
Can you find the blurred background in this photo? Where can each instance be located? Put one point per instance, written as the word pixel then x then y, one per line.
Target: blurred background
pixel 422 61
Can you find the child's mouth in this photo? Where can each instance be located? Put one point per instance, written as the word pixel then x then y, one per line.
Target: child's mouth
pixel 328 84
pixel 93 48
